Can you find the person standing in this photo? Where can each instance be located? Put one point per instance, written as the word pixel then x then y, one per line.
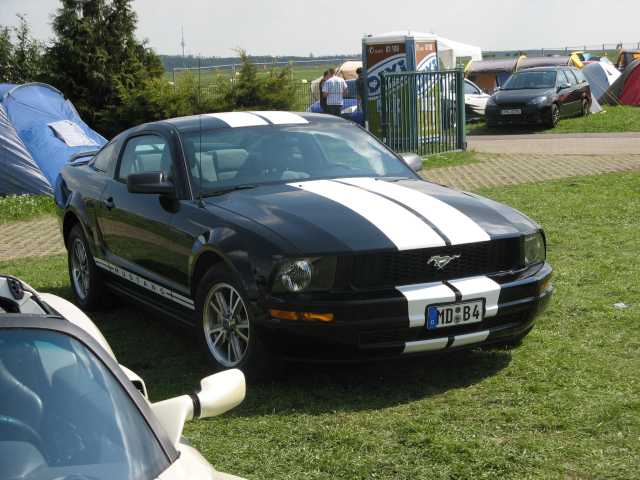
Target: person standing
pixel 334 90
pixel 323 99
pixel 360 87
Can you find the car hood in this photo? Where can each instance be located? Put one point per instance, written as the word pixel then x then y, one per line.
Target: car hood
pixel 520 96
pixel 365 214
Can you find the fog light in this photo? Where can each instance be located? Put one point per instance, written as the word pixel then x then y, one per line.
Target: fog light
pixel 544 286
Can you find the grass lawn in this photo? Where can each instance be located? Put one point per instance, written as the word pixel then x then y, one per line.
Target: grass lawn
pixel 613 119
pixel 449 159
pixel 566 404
pixel 25 207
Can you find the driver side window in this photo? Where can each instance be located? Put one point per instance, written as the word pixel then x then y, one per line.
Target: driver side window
pixel 144 154
pixel 562 78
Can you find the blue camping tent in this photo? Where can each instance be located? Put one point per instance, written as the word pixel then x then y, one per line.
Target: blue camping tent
pixel 50 129
pixel 19 172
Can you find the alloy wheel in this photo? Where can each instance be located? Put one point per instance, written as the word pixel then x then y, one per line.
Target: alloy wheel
pixel 80 269
pixel 226 325
pixel 556 115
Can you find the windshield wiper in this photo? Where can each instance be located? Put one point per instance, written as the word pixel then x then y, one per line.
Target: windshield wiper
pixel 393 178
pixel 222 191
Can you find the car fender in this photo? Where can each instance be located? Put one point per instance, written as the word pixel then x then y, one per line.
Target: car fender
pixel 191 464
pixel 234 250
pixel 76 316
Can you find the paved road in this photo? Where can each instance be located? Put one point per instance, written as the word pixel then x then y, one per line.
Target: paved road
pixel 558 144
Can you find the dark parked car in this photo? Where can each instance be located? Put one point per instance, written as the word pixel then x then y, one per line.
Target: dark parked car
pixel 281 235
pixel 540 96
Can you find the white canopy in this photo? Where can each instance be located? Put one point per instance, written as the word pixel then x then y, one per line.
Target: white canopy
pixel 460 49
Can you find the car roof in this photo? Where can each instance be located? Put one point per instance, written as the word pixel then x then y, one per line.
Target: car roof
pixel 215 121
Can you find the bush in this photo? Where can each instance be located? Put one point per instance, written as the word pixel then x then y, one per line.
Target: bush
pixel 159 99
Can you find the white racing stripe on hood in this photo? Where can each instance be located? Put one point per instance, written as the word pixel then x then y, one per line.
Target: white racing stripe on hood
pixel 422 295
pixel 458 227
pixel 480 287
pixel 239 119
pixel 283 118
pixel 403 228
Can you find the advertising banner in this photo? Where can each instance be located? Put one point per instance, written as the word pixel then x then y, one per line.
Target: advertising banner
pixel 390 58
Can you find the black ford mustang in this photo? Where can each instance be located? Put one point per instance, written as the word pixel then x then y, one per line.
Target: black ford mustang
pixel 282 235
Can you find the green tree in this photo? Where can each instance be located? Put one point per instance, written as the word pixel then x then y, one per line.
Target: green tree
pixel 6 55
pixel 95 57
pixel 27 58
pixel 251 90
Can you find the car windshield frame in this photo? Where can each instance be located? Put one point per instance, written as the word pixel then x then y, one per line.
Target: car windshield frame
pixel 194 142
pixel 518 75
pixel 57 325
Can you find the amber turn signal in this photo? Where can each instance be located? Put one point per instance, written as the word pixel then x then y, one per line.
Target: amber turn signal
pixel 287 315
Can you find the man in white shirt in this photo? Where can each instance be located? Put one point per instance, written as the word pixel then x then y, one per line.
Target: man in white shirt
pixel 334 91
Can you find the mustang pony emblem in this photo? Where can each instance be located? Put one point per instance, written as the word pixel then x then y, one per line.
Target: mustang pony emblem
pixel 441 261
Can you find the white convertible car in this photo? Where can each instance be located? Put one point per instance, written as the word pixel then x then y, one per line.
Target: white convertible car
pixel 69 411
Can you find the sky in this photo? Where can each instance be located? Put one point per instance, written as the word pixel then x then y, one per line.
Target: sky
pixel 301 27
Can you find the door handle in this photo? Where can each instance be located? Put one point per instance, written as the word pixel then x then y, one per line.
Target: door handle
pixel 109 203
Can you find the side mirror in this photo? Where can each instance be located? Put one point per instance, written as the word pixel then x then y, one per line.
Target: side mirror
pixel 218 393
pixel 562 86
pixel 413 160
pixel 150 182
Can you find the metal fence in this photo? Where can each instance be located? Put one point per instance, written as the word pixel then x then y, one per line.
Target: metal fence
pixel 423 112
pixel 609 49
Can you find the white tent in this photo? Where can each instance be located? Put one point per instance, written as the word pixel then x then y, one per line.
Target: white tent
pixel 449 51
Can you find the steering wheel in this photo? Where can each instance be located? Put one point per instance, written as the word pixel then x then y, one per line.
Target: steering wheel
pixel 11 427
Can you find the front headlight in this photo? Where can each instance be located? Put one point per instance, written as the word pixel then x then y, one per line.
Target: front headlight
pixel 534 249
pixel 539 100
pixel 305 274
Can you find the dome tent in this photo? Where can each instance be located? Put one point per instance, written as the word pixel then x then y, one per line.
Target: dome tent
pixel 626 89
pixel 51 131
pixel 18 170
pixel 600 76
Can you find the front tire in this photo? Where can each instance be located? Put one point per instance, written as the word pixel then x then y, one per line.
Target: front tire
pixel 226 326
pixel 86 281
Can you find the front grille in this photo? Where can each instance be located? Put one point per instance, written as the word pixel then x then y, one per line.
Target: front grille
pixel 392 269
pixel 511 106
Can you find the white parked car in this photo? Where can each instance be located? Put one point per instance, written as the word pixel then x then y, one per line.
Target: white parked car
pixel 69 411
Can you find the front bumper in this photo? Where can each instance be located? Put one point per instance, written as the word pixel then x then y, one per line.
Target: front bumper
pixel 392 323
pixel 531 115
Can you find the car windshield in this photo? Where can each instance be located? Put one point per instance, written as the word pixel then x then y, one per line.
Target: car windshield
pixel 229 158
pixel 531 80
pixel 63 415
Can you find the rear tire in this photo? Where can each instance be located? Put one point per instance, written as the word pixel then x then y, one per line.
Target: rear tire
pixel 226 327
pixel 85 278
pixel 553 116
pixel 585 108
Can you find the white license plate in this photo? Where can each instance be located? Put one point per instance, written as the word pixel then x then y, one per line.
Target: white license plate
pixel 512 111
pixel 454 314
